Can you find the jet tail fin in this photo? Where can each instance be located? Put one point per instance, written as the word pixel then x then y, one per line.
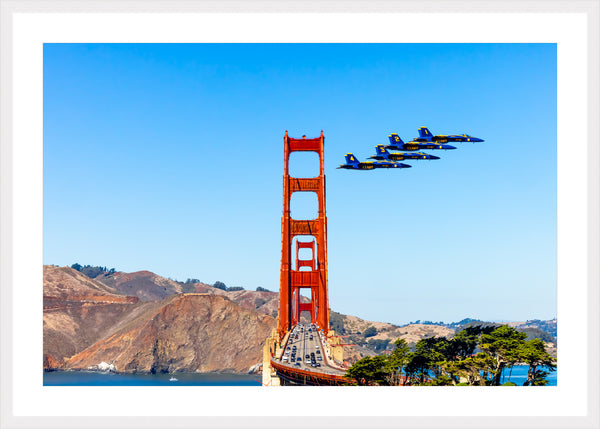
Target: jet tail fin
pixel 395 139
pixel 382 151
pixel 351 159
pixel 424 133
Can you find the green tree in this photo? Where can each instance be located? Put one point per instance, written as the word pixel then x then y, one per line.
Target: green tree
pixel 370 332
pixel 466 340
pixel 503 344
pixel 336 321
pixel 93 272
pixel 426 357
pixel 429 356
pixel 220 285
pixel 416 367
pixel 370 371
pixel 534 354
pixel 76 266
pixel 472 368
pixel 442 380
pixel 188 288
pixel 397 361
pixel 378 345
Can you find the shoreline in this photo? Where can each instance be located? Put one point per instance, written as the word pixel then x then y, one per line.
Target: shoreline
pixel 97 371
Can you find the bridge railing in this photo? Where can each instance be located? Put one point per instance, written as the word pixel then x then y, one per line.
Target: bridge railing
pixel 339 379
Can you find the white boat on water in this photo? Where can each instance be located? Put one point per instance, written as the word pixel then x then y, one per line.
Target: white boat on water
pixel 173 379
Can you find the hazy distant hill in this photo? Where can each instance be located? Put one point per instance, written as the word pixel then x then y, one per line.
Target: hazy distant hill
pixel 530 326
pixel 543 329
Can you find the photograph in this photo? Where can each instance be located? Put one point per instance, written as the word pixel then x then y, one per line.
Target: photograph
pixel 273 214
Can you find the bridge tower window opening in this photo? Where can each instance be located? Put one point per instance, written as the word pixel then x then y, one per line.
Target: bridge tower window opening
pixel 304 206
pixel 304 318
pixel 306 256
pixel 304 164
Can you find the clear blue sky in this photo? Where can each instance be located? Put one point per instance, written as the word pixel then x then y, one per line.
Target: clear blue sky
pixel 169 158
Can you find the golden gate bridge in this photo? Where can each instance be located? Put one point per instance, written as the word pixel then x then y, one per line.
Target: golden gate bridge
pixel 298 353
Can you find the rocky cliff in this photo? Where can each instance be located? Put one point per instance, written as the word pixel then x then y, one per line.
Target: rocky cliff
pixel 186 332
pixel 78 311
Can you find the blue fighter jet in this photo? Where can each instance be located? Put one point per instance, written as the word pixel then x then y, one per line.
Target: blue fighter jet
pixel 354 164
pixel 396 143
pixel 383 154
pixel 426 136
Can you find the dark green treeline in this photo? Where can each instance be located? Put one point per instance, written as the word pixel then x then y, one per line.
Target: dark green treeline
pixel 475 356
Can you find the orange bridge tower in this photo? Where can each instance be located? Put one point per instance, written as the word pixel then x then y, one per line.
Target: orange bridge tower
pixel 304 273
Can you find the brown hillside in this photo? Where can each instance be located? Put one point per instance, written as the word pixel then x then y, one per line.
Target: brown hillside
pixel 411 333
pixel 353 329
pixel 188 332
pixel 67 283
pixel 262 302
pixel 414 332
pixel 146 285
pixel 77 312
pixel 204 288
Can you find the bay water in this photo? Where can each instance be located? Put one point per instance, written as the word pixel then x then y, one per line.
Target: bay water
pixel 89 378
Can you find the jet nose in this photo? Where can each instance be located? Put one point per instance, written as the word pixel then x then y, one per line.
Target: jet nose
pixel 475 139
pixel 433 157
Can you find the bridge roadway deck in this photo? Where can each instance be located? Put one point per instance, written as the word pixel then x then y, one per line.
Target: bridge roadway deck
pixel 306 343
